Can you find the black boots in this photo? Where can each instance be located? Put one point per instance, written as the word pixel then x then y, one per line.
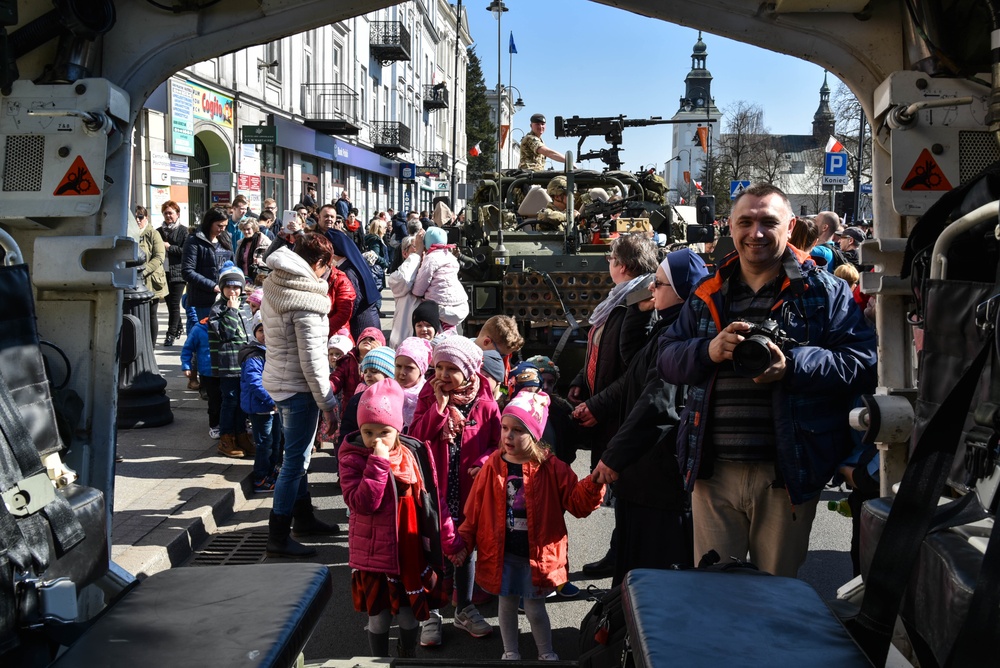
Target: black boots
pixel 378 643
pixel 603 568
pixel 278 542
pixel 406 648
pixel 306 523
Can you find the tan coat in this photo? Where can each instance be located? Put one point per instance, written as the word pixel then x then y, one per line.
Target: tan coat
pixel 153 273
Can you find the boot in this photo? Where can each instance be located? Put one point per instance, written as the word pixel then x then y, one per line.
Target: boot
pixel 227 446
pixel 378 643
pixel 280 545
pixel 246 444
pixel 306 523
pixel 406 648
pixel 193 383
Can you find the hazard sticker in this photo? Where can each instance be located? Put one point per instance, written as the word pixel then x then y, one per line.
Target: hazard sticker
pixel 78 181
pixel 926 174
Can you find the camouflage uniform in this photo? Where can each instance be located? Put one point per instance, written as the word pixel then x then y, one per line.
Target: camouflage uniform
pixel 531 159
pixel 552 218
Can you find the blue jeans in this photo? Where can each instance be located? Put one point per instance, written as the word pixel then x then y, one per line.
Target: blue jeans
pixel 232 419
pixel 267 438
pixel 299 420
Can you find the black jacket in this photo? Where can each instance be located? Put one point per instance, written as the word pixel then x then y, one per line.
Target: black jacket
pixel 175 254
pixel 201 264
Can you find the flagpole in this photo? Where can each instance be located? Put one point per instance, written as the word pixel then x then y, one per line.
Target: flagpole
pixel 510 82
pixel 454 110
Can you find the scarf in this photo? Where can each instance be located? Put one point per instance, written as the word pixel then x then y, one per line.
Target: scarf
pixel 460 397
pixel 444 247
pixel 403 465
pixel 614 299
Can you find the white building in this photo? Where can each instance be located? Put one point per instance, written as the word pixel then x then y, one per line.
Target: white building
pixel 344 106
pixel 510 155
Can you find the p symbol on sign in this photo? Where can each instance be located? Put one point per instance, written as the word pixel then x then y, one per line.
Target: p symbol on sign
pixel 836 164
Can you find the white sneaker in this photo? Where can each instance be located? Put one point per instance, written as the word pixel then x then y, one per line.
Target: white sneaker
pixel 214 433
pixel 510 656
pixel 548 656
pixel 430 630
pixel 471 621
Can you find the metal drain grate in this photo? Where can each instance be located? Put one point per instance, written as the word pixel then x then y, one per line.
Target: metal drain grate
pixel 232 549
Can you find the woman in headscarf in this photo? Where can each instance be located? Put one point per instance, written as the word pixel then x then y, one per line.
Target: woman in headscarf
pixel 367 301
pixel 297 376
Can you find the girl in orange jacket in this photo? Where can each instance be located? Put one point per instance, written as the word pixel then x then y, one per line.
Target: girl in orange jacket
pixel 514 516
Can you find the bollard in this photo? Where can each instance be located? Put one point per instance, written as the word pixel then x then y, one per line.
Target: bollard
pixel 142 395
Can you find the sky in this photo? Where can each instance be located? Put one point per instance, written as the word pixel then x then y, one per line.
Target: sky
pixel 576 57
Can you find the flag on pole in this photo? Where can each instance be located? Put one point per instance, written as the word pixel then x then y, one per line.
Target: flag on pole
pixel 687 177
pixel 703 138
pixel 504 131
pixel 474 151
pixel 512 49
pixel 834 146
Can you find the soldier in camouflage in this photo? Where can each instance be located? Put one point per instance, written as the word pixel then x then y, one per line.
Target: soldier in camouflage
pixel 553 215
pixel 533 149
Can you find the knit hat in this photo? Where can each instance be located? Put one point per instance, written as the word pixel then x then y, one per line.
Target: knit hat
pixel 493 365
pixel 462 352
pixel 341 343
pixel 372 333
pixel 256 321
pixel 531 409
pixel 427 311
pixel 418 350
pixel 435 235
pixel 684 269
pixel 822 255
pixel 256 297
pixel 231 275
pixel 525 375
pixel 545 365
pixel 382 403
pixel 381 359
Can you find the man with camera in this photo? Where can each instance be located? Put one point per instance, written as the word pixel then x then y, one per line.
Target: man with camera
pixel 765 423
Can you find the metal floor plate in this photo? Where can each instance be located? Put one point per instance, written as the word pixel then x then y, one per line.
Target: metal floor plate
pixel 231 549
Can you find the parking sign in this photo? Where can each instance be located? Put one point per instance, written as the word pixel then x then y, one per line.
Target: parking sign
pixel 836 164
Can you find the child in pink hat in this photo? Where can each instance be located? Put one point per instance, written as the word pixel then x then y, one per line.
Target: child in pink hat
pixel 524 478
pixel 389 486
pixel 413 356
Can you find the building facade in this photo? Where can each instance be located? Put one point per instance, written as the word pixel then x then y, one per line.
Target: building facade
pixel 373 105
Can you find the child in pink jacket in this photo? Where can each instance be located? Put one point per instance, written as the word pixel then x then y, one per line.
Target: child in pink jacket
pixel 437 279
pixel 459 419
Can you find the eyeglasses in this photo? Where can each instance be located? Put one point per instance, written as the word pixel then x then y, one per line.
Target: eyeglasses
pixel 660 284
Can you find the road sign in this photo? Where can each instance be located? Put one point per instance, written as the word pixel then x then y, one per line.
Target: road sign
pixel 835 180
pixel 835 165
pixel 866 189
pixel 736 187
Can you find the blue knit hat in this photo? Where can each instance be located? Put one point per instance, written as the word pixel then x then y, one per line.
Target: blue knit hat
pixel 230 274
pixel 434 235
pixel 381 359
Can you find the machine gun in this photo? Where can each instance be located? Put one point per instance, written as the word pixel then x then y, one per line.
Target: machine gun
pixel 609 126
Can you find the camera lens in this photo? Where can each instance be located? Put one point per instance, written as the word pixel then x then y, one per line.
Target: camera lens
pixel 751 356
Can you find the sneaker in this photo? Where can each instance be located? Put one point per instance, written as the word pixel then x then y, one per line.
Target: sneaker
pixel 265 486
pixel 520 604
pixel 214 433
pixel 511 656
pixel 548 656
pixel 568 590
pixel 430 630
pixel 471 621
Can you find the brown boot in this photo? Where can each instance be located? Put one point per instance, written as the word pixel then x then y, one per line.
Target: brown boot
pixel 193 383
pixel 227 446
pixel 245 443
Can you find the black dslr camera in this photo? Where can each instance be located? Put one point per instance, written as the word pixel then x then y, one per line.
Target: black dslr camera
pixel 751 356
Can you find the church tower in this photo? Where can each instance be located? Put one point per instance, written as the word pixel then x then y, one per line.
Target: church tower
pixel 824 121
pixel 692 147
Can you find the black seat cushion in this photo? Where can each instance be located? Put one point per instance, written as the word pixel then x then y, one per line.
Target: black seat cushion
pixel 710 618
pixel 213 616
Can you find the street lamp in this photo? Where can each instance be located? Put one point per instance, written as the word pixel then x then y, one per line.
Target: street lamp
pixel 689 178
pixel 518 104
pixel 500 254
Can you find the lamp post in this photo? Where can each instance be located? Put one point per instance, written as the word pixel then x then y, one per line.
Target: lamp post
pixel 510 147
pixel 687 190
pixel 515 106
pixel 498 8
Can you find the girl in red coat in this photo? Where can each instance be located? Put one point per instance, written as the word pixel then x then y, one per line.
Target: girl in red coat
pixel 384 477
pixel 458 418
pixel 514 516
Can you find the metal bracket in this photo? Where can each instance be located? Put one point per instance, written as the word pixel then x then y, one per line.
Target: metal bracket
pixel 986 314
pixel 29 495
pixel 84 263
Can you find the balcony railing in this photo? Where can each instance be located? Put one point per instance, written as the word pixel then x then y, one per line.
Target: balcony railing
pixel 434 164
pixel 435 96
pixel 389 41
pixel 390 137
pixel 331 108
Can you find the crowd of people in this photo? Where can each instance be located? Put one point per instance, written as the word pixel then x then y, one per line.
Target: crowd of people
pixel 455 457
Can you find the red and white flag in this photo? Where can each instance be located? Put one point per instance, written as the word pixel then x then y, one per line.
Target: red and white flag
pixel 474 151
pixel 833 145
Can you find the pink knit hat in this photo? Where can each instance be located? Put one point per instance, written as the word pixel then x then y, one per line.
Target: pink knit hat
pixel 532 410
pixel 256 297
pixel 462 352
pixel 382 403
pixel 374 333
pixel 418 350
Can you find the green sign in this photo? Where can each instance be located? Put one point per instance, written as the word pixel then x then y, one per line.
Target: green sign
pixel 260 134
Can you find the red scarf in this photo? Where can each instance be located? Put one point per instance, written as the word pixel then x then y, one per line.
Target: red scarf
pixel 403 465
pixel 461 397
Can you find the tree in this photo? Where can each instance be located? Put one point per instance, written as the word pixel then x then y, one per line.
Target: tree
pixel 850 115
pixel 479 129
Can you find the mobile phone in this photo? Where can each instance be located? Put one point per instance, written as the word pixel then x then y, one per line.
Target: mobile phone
pixel 291 221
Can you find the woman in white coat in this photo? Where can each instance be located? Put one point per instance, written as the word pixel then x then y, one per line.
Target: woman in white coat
pixel 401 284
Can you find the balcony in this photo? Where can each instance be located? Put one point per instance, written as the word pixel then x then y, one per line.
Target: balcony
pixel 330 108
pixel 390 137
pixel 434 164
pixel 389 41
pixel 435 97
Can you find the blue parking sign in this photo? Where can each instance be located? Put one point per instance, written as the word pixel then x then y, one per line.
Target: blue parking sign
pixel 836 164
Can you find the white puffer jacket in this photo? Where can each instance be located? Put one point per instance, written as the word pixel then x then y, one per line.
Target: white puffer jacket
pixel 294 312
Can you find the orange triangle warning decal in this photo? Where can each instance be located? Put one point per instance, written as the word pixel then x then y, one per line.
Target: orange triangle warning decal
pixel 926 174
pixel 78 181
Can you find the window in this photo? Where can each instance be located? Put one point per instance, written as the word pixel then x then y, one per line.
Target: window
pixel 338 59
pixel 363 93
pixel 273 53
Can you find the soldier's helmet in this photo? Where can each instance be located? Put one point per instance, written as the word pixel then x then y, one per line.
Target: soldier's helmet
pixel 557 186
